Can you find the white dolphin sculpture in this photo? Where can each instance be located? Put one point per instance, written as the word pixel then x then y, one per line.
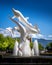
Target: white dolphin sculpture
pixel 22 30
pixel 22 19
pixel 29 28
pixel 24 43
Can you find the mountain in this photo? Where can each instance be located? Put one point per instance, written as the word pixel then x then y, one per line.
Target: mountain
pixel 44 42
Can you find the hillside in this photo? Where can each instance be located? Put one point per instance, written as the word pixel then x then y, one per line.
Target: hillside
pixel 43 41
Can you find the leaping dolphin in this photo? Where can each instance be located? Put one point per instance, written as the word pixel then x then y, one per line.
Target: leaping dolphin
pixel 22 19
pixel 24 42
pixel 22 30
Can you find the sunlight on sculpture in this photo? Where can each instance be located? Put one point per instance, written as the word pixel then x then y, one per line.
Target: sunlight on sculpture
pixel 22 19
pixel 24 42
pixel 23 49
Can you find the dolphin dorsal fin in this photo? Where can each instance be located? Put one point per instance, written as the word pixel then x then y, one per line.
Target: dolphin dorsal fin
pixel 26 18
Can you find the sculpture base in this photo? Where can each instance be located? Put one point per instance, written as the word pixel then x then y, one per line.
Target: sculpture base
pixel 25 60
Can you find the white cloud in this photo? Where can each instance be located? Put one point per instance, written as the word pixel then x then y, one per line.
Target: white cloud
pixel 2 31
pixel 49 35
pixel 40 36
pixel 6 32
pixel 9 28
pixel 16 34
pixel 37 36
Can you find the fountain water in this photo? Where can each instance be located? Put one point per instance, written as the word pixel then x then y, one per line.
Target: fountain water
pixel 36 49
pixel 32 52
pixel 15 50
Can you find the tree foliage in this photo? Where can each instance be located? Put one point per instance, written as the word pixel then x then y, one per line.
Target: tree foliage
pixel 40 46
pixel 31 45
pixel 6 42
pixel 49 46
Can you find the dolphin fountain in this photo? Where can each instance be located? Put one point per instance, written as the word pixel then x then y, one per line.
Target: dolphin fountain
pixel 24 45
pixel 22 19
pixel 25 29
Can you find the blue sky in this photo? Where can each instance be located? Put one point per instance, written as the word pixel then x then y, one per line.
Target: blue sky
pixel 38 11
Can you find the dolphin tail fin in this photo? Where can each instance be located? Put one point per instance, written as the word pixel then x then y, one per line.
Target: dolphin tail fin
pixel 27 18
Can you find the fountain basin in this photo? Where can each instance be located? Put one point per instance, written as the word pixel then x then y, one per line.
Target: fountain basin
pixel 32 59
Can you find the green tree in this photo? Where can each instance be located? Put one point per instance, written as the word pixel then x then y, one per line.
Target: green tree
pixel 49 46
pixel 11 43
pixel 40 46
pixel 2 39
pixel 4 45
pixel 18 39
pixel 31 45
pixel 6 42
pixel 0 46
